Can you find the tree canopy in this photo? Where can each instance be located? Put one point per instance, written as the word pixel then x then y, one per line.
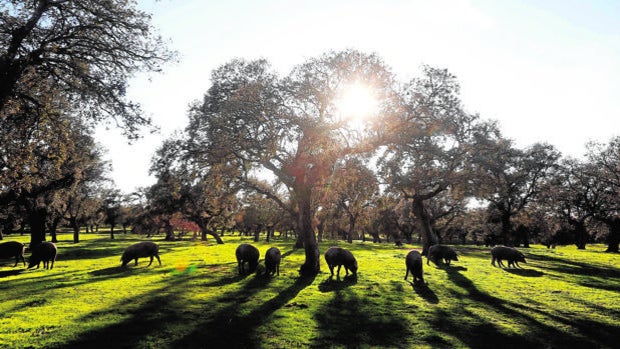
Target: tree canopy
pixel 289 126
pixel 82 50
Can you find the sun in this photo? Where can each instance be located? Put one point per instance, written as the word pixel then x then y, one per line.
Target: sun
pixel 356 103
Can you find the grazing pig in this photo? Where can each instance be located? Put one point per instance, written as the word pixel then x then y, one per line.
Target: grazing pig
pixel 272 261
pixel 512 255
pixel 43 252
pixel 336 256
pixel 140 250
pixel 413 261
pixel 443 253
pixel 12 249
pixel 247 253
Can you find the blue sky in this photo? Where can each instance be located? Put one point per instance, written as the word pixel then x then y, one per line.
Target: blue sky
pixel 546 70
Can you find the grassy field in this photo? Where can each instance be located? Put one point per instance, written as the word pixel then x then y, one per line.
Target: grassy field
pixel 562 298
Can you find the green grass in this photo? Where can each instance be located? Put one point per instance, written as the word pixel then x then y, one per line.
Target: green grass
pixel 562 298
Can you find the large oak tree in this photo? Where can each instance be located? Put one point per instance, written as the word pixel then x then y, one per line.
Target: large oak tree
pixel 605 165
pixel 430 141
pixel 287 126
pixel 510 178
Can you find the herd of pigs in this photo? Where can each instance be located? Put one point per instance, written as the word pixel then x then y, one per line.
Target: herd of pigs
pixel 248 254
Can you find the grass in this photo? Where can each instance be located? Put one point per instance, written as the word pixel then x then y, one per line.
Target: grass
pixel 560 298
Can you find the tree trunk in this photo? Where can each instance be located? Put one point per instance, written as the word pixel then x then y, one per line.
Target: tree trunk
pixel 36 220
pixel 217 238
pixel 205 231
pixel 351 229
pixel 581 235
pixel 375 235
pixel 523 236
pixel 112 231
pixel 613 238
pixel 76 230
pixel 169 231
pixel 506 228
pixel 429 237
pixel 407 232
pixel 52 228
pixel 526 241
pixel 311 266
pixel 321 230
pixel 257 233
pixel 270 233
pixel 299 240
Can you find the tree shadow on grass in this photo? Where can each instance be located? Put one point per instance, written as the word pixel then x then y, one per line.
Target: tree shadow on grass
pixel 152 318
pixel 422 290
pixel 38 280
pixel 457 268
pixel 120 271
pixel 442 265
pixel 524 272
pixel 12 272
pixel 604 334
pixel 288 253
pixel 478 332
pixel 82 252
pixel 605 278
pixel 566 266
pixel 601 285
pixel 597 308
pixel 353 322
pixel 224 281
pixel 330 285
pixel 108 271
pixel 228 328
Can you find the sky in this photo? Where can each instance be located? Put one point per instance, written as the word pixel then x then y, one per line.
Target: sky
pixel 547 71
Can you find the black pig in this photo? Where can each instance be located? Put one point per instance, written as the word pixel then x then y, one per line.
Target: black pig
pixel 247 253
pixel 272 261
pixel 413 261
pixel 437 253
pixel 12 249
pixel 43 252
pixel 512 255
pixel 141 250
pixel 336 256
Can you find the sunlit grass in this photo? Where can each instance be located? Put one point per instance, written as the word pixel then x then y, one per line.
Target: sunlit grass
pixel 560 298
